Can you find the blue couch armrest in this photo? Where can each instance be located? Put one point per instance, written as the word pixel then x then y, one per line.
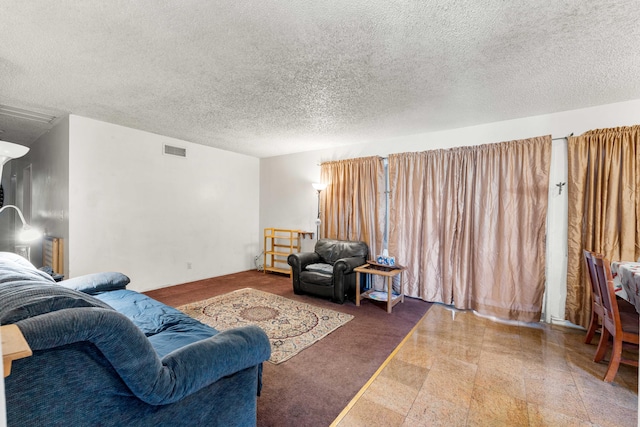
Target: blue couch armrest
pixel 204 362
pixel 151 379
pixel 97 282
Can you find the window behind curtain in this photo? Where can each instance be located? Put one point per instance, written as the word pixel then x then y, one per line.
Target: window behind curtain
pixel 470 225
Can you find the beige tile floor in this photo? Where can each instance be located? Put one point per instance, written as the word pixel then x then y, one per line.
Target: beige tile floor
pixel 459 369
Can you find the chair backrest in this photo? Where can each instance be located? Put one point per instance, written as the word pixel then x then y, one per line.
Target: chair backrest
pixel 591 273
pixel 605 288
pixel 331 250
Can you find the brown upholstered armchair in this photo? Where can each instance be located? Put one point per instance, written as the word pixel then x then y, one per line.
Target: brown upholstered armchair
pixel 328 271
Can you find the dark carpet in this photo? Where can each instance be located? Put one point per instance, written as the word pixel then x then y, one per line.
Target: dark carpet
pixel 313 387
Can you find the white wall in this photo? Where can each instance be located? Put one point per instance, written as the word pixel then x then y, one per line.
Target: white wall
pixel 49 160
pixel 288 200
pixel 160 219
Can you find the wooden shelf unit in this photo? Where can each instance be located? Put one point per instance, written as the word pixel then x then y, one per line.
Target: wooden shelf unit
pixel 53 254
pixel 279 243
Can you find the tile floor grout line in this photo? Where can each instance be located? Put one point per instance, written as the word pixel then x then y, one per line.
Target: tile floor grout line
pixel 475 379
pixel 524 381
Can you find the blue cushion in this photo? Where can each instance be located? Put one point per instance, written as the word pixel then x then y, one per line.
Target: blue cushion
pixel 166 327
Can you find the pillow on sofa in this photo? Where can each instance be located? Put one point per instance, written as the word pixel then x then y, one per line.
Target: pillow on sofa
pixel 97 282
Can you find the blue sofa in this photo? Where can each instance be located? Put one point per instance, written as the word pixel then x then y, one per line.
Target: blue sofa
pixel 107 356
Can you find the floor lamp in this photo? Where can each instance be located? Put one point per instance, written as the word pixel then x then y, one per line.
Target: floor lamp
pixel 319 187
pixel 8 151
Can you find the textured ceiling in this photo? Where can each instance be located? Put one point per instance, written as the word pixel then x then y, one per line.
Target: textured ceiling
pixel 274 77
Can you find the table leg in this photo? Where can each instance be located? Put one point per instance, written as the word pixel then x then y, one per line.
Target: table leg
pixel 357 289
pixel 401 288
pixel 389 293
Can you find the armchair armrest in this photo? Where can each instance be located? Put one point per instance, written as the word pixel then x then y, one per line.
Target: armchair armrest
pixel 299 261
pixel 346 265
pixel 343 280
pixel 97 282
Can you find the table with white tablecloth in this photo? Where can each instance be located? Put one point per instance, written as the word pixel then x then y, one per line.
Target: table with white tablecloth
pixel 626 277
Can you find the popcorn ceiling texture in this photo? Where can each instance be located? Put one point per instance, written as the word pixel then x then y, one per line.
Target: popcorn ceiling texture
pixel 274 77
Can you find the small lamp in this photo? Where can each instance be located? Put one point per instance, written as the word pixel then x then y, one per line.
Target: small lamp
pixel 28 233
pixel 319 187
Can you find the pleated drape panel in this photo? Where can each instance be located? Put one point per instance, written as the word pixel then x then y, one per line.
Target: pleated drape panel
pixel 604 207
pixel 353 202
pixel 470 223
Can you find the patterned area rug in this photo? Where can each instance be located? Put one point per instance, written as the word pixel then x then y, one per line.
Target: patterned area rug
pixel 290 325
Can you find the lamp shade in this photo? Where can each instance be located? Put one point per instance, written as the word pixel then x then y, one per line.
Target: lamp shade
pixel 29 234
pixel 8 151
pixel 319 186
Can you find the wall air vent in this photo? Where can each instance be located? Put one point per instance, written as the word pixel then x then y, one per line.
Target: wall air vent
pixel 175 151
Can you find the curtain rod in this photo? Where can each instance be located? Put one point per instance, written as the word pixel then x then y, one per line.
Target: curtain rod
pixel 553 139
pixel 562 137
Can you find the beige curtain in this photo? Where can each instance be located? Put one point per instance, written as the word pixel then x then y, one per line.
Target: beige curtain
pixel 469 224
pixel 353 202
pixel 604 207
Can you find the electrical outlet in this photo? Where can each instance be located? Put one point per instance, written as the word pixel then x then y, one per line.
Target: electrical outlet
pixel 188 266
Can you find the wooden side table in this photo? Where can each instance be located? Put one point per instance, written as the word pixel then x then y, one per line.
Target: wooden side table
pixel 381 270
pixel 14 346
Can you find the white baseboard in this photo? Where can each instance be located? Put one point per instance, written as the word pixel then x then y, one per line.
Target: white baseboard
pixel 562 322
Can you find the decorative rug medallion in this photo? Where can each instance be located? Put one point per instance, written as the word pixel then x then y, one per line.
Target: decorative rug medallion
pixel 290 325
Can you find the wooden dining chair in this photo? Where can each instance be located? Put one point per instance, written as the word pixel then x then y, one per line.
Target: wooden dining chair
pixel 596 303
pixel 621 326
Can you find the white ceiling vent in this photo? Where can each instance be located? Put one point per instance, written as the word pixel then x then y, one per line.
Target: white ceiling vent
pixel 20 113
pixel 175 151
